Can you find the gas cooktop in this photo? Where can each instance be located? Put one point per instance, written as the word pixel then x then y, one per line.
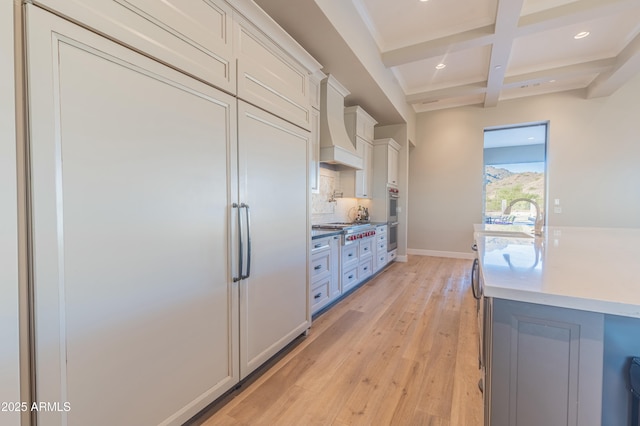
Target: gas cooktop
pixel 341 225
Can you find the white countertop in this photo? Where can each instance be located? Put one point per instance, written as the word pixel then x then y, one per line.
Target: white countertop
pixel 591 269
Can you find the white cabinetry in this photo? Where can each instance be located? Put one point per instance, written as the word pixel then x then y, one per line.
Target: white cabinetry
pixel 349 266
pixel 365 259
pixel 357 262
pixel 385 163
pixel 268 78
pixel 9 305
pixel 392 168
pixel 359 123
pixel 146 306
pixel 314 158
pixel 193 36
pixel 360 128
pixel 278 265
pixel 141 202
pixel 380 247
pixel 324 274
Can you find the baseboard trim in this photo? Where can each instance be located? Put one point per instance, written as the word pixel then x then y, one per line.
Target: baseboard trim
pixel 438 253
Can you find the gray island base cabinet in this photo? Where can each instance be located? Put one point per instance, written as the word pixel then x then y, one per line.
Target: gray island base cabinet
pixel 545 365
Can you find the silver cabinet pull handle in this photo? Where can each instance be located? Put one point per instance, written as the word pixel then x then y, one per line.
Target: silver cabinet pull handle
pixel 317 267
pixel 475 284
pixel 241 252
pixel 248 210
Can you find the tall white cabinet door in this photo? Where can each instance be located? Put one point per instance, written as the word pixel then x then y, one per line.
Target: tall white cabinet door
pixel 131 174
pixel 9 305
pixel 274 301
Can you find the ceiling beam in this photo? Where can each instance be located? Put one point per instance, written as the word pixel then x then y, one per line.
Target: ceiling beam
pixel 572 13
pixel 450 92
pixel 507 18
pixel 627 65
pixel 559 73
pixel 439 47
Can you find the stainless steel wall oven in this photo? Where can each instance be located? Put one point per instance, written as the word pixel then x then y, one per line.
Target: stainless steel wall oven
pixel 392 204
pixel 392 236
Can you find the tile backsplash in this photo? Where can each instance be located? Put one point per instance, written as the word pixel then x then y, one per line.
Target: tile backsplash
pixel 340 210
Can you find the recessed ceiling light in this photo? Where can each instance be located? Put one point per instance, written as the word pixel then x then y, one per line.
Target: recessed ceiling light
pixel 582 34
pixel 424 1
pixel 440 66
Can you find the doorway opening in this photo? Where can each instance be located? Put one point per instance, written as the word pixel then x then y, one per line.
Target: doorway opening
pixel 515 168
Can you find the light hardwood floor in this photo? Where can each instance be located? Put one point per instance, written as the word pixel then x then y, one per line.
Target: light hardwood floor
pixel 400 350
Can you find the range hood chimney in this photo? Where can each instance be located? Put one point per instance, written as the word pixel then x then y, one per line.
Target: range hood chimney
pixel 335 145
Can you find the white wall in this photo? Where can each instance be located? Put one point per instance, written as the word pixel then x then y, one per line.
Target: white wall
pixel 593 165
pixel 9 343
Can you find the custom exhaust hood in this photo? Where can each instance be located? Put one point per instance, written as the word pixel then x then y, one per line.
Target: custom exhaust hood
pixel 335 145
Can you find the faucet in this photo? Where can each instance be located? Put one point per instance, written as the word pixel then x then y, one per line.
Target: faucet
pixel 537 229
pixel 334 195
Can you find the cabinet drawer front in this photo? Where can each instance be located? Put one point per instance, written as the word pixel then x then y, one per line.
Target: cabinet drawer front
pixel 194 36
pixel 349 278
pixel 268 79
pixel 320 264
pixel 366 247
pixel 381 260
pixel 391 256
pixel 319 245
pixel 350 255
pixel 365 270
pixel 381 237
pixel 320 294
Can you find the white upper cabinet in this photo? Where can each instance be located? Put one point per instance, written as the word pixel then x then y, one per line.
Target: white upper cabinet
pixel 385 160
pixel 392 167
pixel 359 123
pixel 270 79
pixel 360 128
pixel 193 36
pixel 314 89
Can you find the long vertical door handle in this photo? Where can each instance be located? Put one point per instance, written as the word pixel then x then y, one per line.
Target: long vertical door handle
pixel 475 279
pixel 241 252
pixel 248 210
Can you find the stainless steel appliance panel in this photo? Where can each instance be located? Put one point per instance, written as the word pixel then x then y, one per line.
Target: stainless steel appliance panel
pixel 392 236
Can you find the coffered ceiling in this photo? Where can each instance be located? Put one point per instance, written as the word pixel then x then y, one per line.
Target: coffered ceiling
pixel 491 50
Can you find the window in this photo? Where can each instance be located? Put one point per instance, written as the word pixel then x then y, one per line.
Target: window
pixel 514 167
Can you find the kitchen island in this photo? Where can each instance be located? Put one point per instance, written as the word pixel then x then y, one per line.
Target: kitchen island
pixel 561 320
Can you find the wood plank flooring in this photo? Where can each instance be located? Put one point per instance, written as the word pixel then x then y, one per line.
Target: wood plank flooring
pixel 400 350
